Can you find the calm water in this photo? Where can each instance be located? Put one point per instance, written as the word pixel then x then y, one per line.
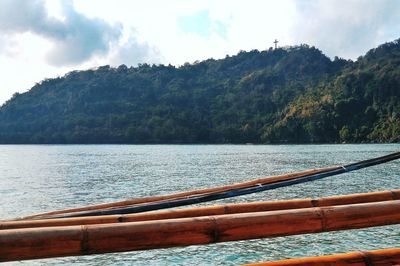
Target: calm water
pixel 49 177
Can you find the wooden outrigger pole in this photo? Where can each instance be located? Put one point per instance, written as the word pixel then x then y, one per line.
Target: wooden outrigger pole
pixel 46 242
pixel 210 210
pixel 360 258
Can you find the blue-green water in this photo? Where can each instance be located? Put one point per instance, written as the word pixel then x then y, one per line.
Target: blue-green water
pixel 49 177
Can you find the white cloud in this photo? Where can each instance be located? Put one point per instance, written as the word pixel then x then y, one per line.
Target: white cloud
pixel 75 38
pixel 130 51
pixel 21 70
pixel 346 28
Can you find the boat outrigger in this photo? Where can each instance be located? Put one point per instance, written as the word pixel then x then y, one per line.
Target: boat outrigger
pixel 140 224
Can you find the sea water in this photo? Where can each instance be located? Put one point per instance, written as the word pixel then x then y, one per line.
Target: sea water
pixel 40 178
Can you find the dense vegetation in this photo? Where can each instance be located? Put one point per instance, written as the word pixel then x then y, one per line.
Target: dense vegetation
pixel 286 95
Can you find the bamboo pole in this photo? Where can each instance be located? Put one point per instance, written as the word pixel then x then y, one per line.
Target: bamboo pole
pixel 211 210
pixel 360 258
pixel 265 180
pixel 33 243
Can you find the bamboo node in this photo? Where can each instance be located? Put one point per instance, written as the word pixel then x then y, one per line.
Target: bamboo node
pixel 226 209
pixel 215 229
pixel 366 257
pixel 85 240
pixel 314 202
pixel 321 214
pixel 395 195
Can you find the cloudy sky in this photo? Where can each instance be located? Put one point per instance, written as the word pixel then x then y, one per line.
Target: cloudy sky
pixel 47 38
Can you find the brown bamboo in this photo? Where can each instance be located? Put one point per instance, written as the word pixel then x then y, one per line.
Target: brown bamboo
pixel 264 180
pixel 31 243
pixel 211 210
pixel 361 258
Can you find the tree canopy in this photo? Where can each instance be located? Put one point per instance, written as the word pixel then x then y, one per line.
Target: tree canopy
pixel 286 95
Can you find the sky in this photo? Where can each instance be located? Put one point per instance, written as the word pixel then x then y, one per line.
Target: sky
pixel 42 39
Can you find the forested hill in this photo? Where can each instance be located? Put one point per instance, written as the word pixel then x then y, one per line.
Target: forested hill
pixel 286 95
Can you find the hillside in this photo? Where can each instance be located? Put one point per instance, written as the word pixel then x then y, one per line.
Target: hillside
pixel 287 95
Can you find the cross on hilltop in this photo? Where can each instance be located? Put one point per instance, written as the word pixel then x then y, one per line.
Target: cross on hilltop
pixel 276 43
